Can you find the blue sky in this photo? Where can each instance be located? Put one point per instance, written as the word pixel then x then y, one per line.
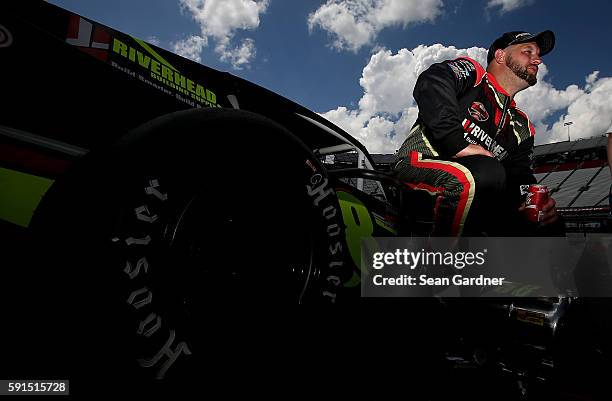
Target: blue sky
pixel 355 61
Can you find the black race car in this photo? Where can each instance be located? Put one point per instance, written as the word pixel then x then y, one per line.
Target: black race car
pixel 140 187
pixel 141 190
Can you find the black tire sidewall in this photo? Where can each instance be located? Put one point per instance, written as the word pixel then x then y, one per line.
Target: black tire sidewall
pixel 118 289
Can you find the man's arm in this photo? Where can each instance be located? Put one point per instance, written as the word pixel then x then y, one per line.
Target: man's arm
pixel 473 149
pixel 436 92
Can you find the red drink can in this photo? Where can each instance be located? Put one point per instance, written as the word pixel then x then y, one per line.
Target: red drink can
pixel 536 197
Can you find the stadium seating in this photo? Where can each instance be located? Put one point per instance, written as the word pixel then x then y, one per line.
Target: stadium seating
pixel 571 187
pixel 597 191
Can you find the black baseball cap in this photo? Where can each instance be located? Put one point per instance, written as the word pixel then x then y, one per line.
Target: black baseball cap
pixel 545 41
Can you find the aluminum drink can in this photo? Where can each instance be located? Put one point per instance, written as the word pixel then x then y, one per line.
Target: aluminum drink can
pixel 536 197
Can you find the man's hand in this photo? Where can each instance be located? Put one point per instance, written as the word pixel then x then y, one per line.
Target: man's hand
pixel 473 150
pixel 549 210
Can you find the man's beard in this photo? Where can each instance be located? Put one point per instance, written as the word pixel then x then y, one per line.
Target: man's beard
pixel 521 72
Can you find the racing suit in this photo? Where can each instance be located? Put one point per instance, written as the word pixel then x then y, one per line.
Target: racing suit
pixel 461 104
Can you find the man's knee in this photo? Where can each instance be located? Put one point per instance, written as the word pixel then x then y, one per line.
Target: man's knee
pixel 489 174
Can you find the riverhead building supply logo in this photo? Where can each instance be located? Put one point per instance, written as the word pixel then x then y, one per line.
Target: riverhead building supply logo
pixel 137 59
pixel 163 72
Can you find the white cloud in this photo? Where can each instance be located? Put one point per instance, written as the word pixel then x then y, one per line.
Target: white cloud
pixel 543 99
pixel 238 56
pixel 154 40
pixel 220 19
pixel 355 23
pixel 508 5
pixel 387 109
pixel 590 112
pixel 191 47
pixel 388 80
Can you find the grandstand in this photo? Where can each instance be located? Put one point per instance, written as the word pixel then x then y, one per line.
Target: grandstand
pixel 576 173
pixel 578 177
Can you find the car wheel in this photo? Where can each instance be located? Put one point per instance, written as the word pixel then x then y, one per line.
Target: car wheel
pixel 145 242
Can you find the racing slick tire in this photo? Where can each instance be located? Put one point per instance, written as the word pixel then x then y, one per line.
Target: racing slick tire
pixel 150 247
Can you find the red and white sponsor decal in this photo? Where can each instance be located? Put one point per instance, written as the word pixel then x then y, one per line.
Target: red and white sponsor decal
pixel 91 39
pixel 478 111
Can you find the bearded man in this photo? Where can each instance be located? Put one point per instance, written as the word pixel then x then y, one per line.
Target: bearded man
pixel 471 145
